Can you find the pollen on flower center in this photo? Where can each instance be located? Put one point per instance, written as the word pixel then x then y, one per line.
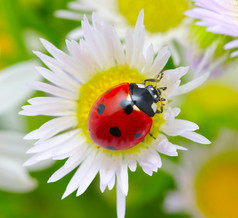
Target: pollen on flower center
pixel 169 13
pixel 100 83
pixel 216 186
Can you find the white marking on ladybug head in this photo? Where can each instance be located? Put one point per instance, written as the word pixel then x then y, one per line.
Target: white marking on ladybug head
pixel 140 85
pixel 129 98
pixel 154 107
pixel 136 108
pixel 155 96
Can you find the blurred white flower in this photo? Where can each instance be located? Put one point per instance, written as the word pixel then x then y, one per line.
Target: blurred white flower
pixel 165 24
pixel 207 180
pixel 13 93
pixel 13 176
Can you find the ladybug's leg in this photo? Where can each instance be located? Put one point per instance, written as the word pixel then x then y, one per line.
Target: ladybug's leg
pixel 161 76
pixel 152 135
pixel 161 110
pixel 149 80
pixel 163 88
pixel 155 80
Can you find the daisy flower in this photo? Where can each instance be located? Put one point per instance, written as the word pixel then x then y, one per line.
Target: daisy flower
pixel 219 17
pixel 207 184
pixel 99 62
pixel 15 177
pixel 163 22
pixel 13 93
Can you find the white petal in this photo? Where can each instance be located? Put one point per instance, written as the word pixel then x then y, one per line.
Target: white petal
pixel 78 156
pixel 122 178
pixel 178 127
pixel 129 46
pixel 13 146
pixel 159 62
pixel 13 84
pixel 67 137
pixel 193 136
pixel 132 164
pixel 60 79
pixel 69 15
pixel 70 64
pixel 191 85
pixel 60 173
pixel 80 7
pixel 80 174
pixel 171 114
pixel 234 54
pixel 52 128
pixel 111 183
pixel 149 57
pixel 53 90
pixel 165 147
pixel 121 203
pixel 107 171
pixel 14 177
pixel 231 45
pixel 86 181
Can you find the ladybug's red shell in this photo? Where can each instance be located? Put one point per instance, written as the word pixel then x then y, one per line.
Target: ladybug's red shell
pixel 116 127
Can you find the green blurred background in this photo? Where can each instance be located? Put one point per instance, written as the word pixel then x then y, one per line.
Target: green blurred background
pixel 22 22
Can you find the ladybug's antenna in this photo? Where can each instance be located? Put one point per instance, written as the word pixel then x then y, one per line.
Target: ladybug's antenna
pixel 158 78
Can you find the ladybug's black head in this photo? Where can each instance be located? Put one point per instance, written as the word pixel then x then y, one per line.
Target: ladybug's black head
pixel 153 92
pixel 146 97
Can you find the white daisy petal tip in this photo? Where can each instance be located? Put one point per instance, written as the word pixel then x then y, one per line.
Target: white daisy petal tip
pixel 234 54
pixel 181 148
pixel 193 136
pixel 165 51
pixel 44 41
pixel 191 85
pixel 37 53
pixel 140 19
pixel 27 163
pixel 31 135
pixel 51 179
pixel 64 196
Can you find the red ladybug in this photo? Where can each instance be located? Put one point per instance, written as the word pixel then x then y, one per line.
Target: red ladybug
pixel 121 117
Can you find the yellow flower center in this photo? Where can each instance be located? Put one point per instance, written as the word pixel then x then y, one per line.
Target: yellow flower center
pixel 100 83
pixel 216 187
pixel 160 15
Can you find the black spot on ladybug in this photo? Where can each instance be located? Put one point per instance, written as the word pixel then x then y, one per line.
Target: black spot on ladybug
pixel 115 131
pixel 137 135
pixel 127 106
pixel 108 90
pixel 101 108
pixel 111 148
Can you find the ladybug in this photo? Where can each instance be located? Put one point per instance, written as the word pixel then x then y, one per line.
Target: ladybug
pixel 122 116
